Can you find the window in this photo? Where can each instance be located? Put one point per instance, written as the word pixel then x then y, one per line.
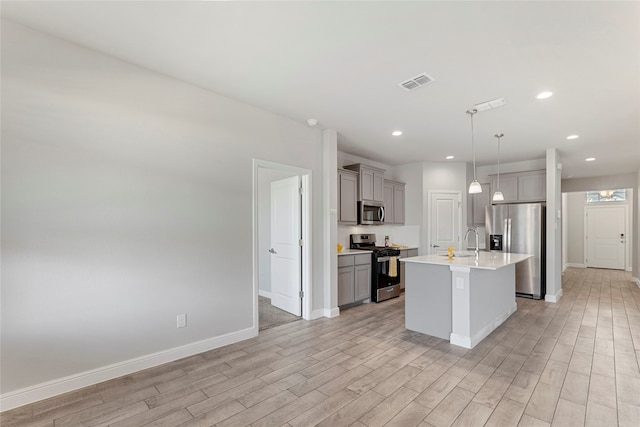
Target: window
pixel 606 196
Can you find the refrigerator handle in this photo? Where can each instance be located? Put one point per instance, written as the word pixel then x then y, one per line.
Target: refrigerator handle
pixel 505 237
pixel 508 237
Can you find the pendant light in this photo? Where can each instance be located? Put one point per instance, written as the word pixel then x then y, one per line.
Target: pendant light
pixel 498 196
pixel 475 186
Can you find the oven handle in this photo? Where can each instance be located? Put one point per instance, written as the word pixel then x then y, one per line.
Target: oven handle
pixel 386 258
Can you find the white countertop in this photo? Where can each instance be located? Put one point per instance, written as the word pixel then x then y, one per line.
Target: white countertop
pixel 486 260
pixel 347 251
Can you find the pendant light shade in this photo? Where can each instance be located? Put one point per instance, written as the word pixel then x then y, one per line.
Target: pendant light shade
pixel 474 187
pixel 498 196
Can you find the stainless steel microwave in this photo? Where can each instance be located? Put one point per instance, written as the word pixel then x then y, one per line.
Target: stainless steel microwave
pixel 370 213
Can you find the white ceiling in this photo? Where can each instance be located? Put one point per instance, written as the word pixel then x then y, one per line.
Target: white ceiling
pixel 341 62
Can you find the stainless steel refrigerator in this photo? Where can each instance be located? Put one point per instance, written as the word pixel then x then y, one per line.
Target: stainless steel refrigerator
pixel 520 228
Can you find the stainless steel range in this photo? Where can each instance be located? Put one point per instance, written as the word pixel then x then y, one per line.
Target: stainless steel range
pixel 385 266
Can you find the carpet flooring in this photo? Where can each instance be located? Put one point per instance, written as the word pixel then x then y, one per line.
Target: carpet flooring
pixel 270 316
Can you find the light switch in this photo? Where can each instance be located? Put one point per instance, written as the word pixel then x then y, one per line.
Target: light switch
pixel 459 283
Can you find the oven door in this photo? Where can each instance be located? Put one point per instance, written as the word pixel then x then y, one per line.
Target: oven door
pixel 370 213
pixel 386 278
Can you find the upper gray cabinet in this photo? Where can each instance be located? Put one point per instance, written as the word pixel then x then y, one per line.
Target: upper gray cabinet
pixel 370 182
pixel 347 197
pixel 394 202
pixel 528 186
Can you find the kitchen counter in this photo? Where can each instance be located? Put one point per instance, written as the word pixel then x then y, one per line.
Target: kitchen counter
pixel 485 260
pixel 463 299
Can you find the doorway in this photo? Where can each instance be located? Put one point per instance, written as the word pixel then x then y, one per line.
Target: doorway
pixel 605 236
pixel 444 220
pixel 289 212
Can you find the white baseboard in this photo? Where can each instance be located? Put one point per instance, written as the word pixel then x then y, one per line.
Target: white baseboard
pixel 263 293
pixel 576 265
pixel 325 312
pixel 470 342
pixel 553 298
pixel 52 388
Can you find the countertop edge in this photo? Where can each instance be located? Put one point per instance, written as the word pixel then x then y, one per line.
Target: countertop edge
pixel 487 262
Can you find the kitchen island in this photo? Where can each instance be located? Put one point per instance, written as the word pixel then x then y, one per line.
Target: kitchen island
pixel 462 299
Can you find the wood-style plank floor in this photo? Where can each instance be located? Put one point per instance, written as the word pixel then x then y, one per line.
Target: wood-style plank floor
pixel 573 363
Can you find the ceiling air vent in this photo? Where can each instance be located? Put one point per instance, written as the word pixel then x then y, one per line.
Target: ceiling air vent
pixel 417 81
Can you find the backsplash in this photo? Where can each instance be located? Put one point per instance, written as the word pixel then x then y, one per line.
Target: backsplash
pixel 408 235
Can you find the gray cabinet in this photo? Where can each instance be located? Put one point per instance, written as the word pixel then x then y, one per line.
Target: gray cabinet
pixel 532 187
pixel 405 253
pixel 394 202
pixel 354 278
pixel 347 197
pixel 370 182
pixel 528 186
pixel 478 203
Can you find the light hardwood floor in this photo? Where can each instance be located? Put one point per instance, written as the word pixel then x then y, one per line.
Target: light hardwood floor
pixel 565 364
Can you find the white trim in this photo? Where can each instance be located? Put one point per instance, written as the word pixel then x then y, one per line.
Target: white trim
pixel 553 298
pixel 264 293
pixel 307 265
pixel 58 386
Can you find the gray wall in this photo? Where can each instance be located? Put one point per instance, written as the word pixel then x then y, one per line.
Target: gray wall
pixel 126 200
pixel 575 229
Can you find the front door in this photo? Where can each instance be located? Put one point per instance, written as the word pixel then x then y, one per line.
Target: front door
pixel 444 221
pixel 605 236
pixel 285 245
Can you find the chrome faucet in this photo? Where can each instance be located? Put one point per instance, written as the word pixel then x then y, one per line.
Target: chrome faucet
pixel 466 236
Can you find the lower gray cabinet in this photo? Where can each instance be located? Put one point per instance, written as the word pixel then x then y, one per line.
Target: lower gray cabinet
pixel 354 278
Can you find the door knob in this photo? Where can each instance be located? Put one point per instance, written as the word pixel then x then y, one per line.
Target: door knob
pixel 273 251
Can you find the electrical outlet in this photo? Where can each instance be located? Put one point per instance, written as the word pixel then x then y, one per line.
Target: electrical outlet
pixel 182 320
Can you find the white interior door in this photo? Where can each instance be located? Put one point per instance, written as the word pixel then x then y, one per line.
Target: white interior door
pixel 285 245
pixel 444 221
pixel 605 236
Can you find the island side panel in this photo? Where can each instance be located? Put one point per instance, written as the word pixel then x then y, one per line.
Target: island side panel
pixel 493 300
pixel 428 299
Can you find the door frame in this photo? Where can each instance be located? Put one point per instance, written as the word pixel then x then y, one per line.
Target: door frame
pixel 428 224
pixel 625 210
pixel 306 264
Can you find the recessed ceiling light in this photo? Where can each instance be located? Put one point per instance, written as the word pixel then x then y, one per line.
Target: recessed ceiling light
pixel 449 157
pixel 396 133
pixel 573 137
pixel 589 159
pixel 544 95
